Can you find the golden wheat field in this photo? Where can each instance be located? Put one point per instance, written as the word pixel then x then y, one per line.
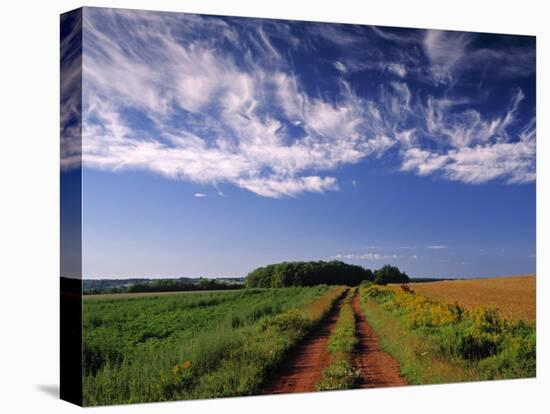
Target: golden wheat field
pixel 514 297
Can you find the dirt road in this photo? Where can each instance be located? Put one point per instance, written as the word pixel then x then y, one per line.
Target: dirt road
pixel 378 368
pixel 305 365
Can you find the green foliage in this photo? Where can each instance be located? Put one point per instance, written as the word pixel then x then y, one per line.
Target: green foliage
pixel 177 285
pixel 307 274
pixel 343 340
pixel 339 375
pixel 93 287
pixel 291 321
pixel 496 348
pixel 192 345
pixel 390 274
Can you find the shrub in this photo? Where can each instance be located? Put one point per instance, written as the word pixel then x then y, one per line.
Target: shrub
pixel 293 320
pixel 338 376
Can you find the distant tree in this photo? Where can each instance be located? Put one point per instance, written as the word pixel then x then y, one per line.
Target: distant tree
pixel 390 274
pixel 307 274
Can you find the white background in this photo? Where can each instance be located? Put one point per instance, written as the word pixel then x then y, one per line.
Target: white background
pixel 29 206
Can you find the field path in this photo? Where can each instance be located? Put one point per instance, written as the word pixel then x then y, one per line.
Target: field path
pixel 378 368
pixel 305 365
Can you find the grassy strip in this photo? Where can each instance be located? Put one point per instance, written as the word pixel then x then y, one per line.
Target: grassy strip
pixel 341 374
pixel 418 362
pixel 436 342
pixel 246 368
pixel 213 354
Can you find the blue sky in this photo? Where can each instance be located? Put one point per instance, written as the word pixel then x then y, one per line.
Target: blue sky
pixel 214 145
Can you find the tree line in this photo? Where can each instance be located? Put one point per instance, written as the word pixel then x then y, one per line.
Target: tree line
pixel 320 272
pixel 159 285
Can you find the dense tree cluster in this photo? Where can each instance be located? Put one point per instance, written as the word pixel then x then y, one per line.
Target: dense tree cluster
pixel 308 274
pixel 389 274
pixel 316 273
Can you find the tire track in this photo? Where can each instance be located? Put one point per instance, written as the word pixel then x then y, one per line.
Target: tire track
pixel 305 365
pixel 378 368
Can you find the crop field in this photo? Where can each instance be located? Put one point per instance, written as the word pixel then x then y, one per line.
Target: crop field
pixel 134 295
pixel 195 345
pixel 141 347
pixel 513 297
pixel 443 341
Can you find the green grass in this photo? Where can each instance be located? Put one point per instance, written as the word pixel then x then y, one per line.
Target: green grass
pixel 436 342
pixel 201 345
pixel 340 374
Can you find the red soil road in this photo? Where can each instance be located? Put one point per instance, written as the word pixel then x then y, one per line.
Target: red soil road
pixel 305 366
pixel 378 368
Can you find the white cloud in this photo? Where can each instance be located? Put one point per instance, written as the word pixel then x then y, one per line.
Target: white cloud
pixel 340 67
pixel 274 187
pixel 70 100
pixel 401 99
pixel 437 246
pixel 367 256
pixel 215 117
pixel 234 129
pixel 484 163
pixel 394 37
pixel 423 162
pixel 472 149
pixel 445 49
pixel 200 195
pixel 398 69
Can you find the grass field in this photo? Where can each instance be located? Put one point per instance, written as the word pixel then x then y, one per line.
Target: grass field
pixel 197 345
pixel 186 345
pixel 134 295
pixel 513 297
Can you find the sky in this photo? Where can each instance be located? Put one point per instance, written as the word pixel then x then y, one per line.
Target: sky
pixel 213 145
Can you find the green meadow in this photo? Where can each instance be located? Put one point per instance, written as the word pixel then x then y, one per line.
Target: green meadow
pixel 193 345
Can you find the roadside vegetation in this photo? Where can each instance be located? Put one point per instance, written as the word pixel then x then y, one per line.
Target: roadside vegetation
pixel 341 374
pixel 199 345
pixel 437 342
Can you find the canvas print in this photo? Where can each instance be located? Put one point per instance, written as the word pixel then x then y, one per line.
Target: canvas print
pixel 257 206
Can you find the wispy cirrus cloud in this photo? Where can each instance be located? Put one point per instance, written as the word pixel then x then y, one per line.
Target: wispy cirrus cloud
pixel 366 256
pixel 246 124
pixel 375 257
pixel 398 69
pixel 221 100
pixel 445 50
